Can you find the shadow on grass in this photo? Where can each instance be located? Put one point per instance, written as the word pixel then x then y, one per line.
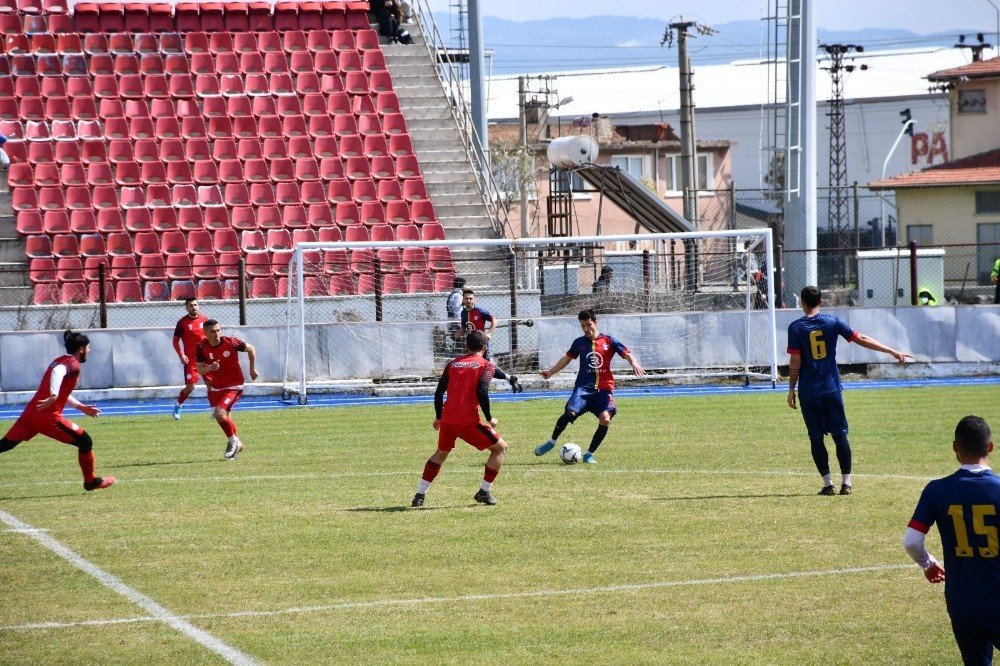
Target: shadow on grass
pixel 165 462
pixel 32 497
pixel 397 509
pixel 743 496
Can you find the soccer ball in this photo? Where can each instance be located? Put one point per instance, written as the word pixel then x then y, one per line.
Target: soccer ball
pixel 570 453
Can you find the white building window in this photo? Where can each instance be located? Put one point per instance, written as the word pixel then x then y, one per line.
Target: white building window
pixel 706 173
pixel 637 165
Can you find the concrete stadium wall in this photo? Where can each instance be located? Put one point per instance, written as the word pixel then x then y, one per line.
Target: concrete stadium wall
pixel 136 358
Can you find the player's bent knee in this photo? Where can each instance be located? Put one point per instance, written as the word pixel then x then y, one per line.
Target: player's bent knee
pixel 83 442
pixel 499 447
pixel 604 420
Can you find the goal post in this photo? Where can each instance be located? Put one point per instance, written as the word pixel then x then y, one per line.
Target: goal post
pixel 692 304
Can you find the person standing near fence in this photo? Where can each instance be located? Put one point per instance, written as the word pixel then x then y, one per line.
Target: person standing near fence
pixel 187 334
pixel 475 319
pixel 995 279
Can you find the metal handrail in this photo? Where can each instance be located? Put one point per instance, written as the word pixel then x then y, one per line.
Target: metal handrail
pixel 452 83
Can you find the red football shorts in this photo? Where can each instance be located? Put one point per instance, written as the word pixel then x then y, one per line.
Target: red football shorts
pixel 50 425
pixel 191 375
pixel 226 398
pixel 478 435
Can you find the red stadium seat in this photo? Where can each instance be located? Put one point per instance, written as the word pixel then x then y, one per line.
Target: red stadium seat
pixel 123 267
pixel 92 267
pixel 209 290
pixel 356 233
pixel 152 267
pixel 46 294
pixel 84 222
pixel 109 221
pixel 278 239
pixel 394 283
pixel 258 264
pixel 268 217
pixel 364 190
pixel 432 231
pixel 146 241
pixel 366 284
pixel 73 293
pixel 444 281
pixel 153 292
pixel 42 270
pixel 387 102
pixel 440 259
pixel 29 222
pixel 225 240
pixel 229 265
pixel 381 233
pixel 179 267
pixel 200 242
pixel 173 242
pixel 181 290
pixel 205 267
pixel 119 242
pixel 252 241
pixel 407 232
pixel 264 287
pixel 420 282
pixel 217 217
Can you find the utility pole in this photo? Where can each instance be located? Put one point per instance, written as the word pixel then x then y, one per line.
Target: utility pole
pixel 837 209
pixel 523 118
pixel 977 49
pixel 689 158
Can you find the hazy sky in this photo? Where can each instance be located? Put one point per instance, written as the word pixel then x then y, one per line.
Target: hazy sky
pixel 920 16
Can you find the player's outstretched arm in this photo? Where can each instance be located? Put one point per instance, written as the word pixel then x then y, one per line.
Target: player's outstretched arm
pixel 252 358
pixel 875 345
pixel 913 543
pixel 89 410
pixel 638 369
pixel 555 369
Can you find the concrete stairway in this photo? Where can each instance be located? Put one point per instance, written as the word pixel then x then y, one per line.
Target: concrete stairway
pixel 447 167
pixel 15 287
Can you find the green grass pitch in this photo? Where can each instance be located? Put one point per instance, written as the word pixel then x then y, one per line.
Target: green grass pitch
pixel 698 538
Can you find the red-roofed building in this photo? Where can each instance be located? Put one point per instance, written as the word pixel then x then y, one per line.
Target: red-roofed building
pixel 959 201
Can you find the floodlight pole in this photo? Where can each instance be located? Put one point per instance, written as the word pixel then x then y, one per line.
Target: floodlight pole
pixel 885 165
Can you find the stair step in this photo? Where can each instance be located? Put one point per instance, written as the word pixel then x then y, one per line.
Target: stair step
pixel 10 296
pixel 12 249
pixel 14 274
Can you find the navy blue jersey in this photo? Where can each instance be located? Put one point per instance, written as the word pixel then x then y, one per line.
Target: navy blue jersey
pixel 965 506
pixel 595 361
pixel 814 339
pixel 475 319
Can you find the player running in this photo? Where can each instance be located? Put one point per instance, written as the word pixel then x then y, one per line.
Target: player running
pixel 475 319
pixel 812 353
pixel 466 380
pixel 187 334
pixel 965 506
pixel 219 360
pixel 595 385
pixel 43 413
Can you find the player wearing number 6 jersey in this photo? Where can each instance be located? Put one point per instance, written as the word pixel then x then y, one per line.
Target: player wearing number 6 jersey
pixel 965 506
pixel 812 364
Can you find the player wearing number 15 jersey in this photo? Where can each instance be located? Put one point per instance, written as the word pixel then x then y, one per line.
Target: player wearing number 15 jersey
pixel 812 364
pixel 965 507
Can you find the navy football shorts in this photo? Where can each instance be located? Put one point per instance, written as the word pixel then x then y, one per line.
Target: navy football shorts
pixel 591 400
pixel 824 414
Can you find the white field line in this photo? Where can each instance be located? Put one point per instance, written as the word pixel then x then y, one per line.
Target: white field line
pixel 536 594
pixel 156 612
pixel 534 469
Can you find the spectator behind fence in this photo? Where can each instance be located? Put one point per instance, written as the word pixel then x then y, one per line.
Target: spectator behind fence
pixel 4 158
pixel 603 284
pixel 995 279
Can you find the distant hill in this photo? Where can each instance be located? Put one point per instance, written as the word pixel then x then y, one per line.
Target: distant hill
pixel 620 41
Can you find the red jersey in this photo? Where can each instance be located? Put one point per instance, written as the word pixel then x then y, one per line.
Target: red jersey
pixel 191 332
pixel 67 386
pixel 464 378
pixel 226 354
pixel 475 319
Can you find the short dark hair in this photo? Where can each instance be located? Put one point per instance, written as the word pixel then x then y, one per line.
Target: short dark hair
pixel 811 296
pixel 607 269
pixel 476 341
pixel 467 291
pixel 972 435
pixel 209 323
pixel 459 282
pixel 587 314
pixel 74 341
pixel 189 301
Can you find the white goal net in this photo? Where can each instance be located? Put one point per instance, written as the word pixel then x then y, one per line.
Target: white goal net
pixel 688 305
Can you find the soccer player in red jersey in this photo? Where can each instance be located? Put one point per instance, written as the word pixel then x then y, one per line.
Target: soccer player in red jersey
pixel 219 360
pixel 43 413
pixel 595 384
pixel 187 334
pixel 466 380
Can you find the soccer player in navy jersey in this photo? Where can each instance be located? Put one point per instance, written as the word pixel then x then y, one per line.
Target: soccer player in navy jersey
pixel 965 507
pixel 466 380
pixel 595 385
pixel 812 364
pixel 475 319
pixel 43 415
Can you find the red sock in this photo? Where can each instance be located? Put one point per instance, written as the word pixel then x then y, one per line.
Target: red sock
pixel 228 427
pixel 86 465
pixel 181 397
pixel 232 423
pixel 490 475
pixel 430 471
